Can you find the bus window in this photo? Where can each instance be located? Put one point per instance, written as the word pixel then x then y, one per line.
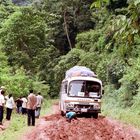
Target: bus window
pixel 64 88
pixel 81 88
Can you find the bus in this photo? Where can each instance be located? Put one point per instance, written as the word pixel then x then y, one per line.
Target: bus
pixel 81 94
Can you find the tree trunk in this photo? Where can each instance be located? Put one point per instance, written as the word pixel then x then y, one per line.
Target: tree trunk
pixel 66 30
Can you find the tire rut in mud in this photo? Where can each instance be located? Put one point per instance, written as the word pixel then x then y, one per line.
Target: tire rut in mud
pixel 55 127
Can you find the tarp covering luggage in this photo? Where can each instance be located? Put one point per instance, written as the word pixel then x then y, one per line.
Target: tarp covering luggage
pixel 79 71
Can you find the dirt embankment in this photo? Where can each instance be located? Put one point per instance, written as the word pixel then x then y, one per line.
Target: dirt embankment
pixel 55 127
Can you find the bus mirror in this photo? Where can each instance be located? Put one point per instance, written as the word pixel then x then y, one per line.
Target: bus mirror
pixel 103 91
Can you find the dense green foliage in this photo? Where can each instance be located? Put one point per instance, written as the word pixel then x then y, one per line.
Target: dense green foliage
pixel 43 39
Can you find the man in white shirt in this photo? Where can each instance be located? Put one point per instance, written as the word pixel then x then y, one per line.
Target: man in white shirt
pixel 10 104
pixel 39 103
pixel 24 105
pixel 2 101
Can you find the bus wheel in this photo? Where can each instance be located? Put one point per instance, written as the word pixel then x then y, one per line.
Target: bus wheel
pixel 95 115
pixel 62 113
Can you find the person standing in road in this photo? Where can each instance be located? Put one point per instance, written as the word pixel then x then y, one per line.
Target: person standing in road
pixel 2 88
pixel 39 103
pixel 19 105
pixel 31 106
pixel 10 104
pixel 24 105
pixel 2 101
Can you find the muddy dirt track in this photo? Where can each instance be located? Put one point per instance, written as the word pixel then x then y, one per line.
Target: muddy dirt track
pixel 55 127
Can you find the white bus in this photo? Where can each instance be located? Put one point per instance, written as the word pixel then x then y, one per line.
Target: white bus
pixel 81 94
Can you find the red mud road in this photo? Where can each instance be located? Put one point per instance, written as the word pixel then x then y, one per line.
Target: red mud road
pixel 55 127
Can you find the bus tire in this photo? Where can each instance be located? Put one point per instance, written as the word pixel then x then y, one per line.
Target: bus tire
pixel 95 115
pixel 62 113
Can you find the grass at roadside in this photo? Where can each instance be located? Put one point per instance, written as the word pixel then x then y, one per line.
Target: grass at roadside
pixel 46 107
pixel 18 123
pixel 16 126
pixel 127 116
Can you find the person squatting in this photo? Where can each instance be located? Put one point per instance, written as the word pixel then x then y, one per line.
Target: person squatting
pixel 70 115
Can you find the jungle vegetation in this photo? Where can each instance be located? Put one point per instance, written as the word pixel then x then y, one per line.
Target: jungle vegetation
pixel 41 39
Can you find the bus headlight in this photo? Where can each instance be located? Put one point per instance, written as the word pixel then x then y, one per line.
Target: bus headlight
pixel 97 106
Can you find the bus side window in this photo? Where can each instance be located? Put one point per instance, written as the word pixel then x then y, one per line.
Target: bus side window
pixel 64 88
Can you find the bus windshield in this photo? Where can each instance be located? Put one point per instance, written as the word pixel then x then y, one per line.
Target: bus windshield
pixel 84 88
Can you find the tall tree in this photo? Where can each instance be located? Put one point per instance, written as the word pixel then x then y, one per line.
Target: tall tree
pixel 70 19
pixel 23 36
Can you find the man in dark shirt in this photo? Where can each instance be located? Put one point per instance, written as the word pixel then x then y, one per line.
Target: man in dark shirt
pixel 19 105
pixel 31 106
pixel 2 101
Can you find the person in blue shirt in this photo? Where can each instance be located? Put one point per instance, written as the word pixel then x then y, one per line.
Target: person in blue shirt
pixel 70 115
